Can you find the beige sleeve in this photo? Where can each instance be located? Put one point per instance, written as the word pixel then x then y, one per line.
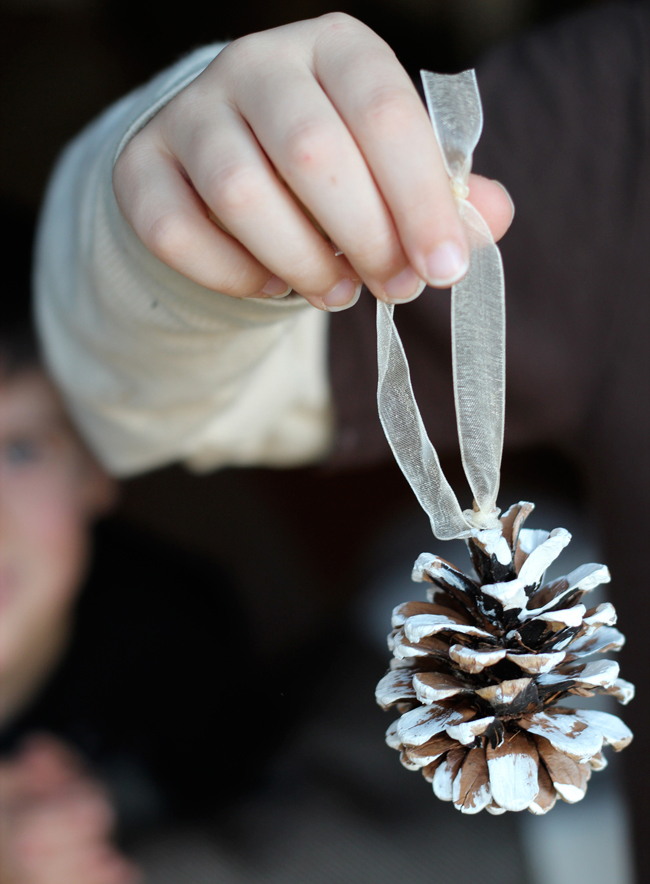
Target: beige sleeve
pixel 156 368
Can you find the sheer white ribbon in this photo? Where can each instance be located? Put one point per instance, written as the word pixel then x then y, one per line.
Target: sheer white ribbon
pixel 478 342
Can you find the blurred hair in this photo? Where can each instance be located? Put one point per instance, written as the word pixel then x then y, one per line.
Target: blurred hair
pixel 19 349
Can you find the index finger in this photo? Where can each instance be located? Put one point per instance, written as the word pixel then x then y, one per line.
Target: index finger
pixel 382 109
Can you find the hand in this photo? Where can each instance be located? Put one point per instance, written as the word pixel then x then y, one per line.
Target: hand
pixel 312 120
pixel 55 821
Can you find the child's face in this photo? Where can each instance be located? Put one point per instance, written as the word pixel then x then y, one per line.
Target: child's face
pixel 50 491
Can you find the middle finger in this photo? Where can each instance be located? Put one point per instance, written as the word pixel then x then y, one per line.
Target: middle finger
pixel 313 150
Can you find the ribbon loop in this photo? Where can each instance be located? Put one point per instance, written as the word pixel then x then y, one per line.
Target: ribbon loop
pixel 478 342
pixel 457 116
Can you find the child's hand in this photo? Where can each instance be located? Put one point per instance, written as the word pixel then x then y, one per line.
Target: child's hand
pixel 324 106
pixel 55 822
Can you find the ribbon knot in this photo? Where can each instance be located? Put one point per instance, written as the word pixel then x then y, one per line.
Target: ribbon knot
pixel 459 189
pixel 478 342
pixel 482 521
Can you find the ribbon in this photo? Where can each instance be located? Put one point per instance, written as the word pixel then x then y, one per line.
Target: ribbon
pixel 478 342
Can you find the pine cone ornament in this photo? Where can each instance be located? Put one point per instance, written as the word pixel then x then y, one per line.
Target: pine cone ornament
pixel 479 668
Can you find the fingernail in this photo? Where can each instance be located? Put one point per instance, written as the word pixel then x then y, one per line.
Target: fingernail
pixel 344 294
pixel 276 288
pixel 404 287
pixel 446 265
pixel 510 200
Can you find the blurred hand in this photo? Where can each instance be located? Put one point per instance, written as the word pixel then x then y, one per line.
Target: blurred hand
pixel 313 120
pixel 55 821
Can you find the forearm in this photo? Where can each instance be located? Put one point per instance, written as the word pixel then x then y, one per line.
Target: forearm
pixel 155 367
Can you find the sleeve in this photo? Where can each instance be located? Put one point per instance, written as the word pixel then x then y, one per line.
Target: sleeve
pixel 154 367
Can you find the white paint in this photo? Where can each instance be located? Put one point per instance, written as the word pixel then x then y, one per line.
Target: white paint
pixel 540 558
pixel 402 649
pixel 604 638
pixel 623 691
pixel 600 673
pixel 567 616
pixel 564 643
pixel 424 564
pixel 495 544
pixel 475 661
pixel 495 810
pixel 537 663
pixel 598 762
pixel 395 685
pixel 510 594
pixel 585 579
pixel 398 617
pixel 513 780
pixel 604 615
pixel 571 794
pixel 538 810
pixel 401 664
pixel 479 798
pixel 422 760
pixel 392 737
pixel 588 577
pixel 563 731
pixel 443 782
pixel 505 692
pixel 422 625
pixel 427 563
pixel 429 694
pixel 615 733
pixel 530 538
pixel 467 731
pixel 523 508
pixel 419 725
pixel 406 762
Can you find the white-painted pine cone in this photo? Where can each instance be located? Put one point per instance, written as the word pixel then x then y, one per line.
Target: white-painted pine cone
pixel 478 668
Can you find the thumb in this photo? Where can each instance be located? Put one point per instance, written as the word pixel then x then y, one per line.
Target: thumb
pixel 494 203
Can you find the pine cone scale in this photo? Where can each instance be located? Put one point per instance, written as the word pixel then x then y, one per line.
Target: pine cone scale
pixel 569 777
pixel 471 787
pixel 547 795
pixel 446 772
pixel 513 768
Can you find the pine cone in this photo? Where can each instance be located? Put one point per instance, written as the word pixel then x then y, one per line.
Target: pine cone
pixel 479 667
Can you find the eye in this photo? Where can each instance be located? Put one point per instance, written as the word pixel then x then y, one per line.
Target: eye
pixel 22 451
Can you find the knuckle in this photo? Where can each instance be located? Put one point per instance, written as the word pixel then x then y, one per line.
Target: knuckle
pixel 377 250
pixel 241 54
pixel 335 30
pixel 390 110
pixel 169 236
pixel 240 282
pixel 309 146
pixel 339 20
pixel 235 189
pixel 235 51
